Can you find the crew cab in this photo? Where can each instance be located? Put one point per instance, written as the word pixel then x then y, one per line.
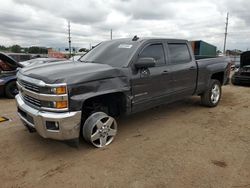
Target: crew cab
pixel 65 101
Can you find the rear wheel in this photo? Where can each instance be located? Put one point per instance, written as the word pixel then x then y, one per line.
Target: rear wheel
pixel 11 90
pixel 211 97
pixel 99 129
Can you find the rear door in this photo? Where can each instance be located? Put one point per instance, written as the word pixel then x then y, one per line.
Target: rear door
pixel 148 85
pixel 183 70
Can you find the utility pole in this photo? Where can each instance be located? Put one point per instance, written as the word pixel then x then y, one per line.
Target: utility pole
pixel 111 34
pixel 225 39
pixel 69 39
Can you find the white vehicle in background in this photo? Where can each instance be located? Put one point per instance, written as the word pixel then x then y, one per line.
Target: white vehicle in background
pixel 39 61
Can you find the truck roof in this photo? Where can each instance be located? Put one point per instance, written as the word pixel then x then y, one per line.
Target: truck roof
pixel 143 39
pixel 118 52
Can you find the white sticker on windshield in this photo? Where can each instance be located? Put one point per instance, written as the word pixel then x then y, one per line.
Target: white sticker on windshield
pixel 125 46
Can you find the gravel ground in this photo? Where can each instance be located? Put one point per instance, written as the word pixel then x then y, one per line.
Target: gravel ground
pixel 177 145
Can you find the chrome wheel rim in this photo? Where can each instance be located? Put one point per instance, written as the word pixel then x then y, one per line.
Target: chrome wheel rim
pixel 215 94
pixel 103 131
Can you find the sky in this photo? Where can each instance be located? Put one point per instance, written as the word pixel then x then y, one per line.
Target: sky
pixel 44 23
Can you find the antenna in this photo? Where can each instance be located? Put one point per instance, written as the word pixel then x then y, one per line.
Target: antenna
pixel 111 34
pixel 69 38
pixel 225 39
pixel 135 38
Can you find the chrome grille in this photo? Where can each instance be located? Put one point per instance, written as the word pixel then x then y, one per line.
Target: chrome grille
pixel 36 93
pixel 29 86
pixel 32 100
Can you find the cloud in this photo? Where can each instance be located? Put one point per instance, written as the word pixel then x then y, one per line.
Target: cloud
pixel 84 12
pixel 28 22
pixel 145 10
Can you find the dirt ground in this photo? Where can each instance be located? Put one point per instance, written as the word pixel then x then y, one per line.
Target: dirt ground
pixel 181 145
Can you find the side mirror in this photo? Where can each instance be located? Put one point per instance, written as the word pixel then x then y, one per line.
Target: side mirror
pixel 145 62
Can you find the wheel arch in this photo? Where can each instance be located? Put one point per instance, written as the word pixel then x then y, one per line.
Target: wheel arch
pixel 109 100
pixel 87 105
pixel 218 76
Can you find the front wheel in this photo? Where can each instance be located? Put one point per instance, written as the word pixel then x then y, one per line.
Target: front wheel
pixel 11 90
pixel 211 97
pixel 99 129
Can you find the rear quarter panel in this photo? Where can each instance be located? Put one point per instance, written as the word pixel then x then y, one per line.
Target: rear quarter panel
pixel 208 67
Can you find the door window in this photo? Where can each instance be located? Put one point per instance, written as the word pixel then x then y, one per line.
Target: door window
pixel 179 53
pixel 155 51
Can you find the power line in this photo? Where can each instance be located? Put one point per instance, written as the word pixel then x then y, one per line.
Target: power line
pixel 225 39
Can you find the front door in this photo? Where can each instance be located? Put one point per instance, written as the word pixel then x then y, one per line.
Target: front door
pixel 148 85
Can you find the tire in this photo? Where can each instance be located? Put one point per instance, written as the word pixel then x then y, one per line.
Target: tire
pixel 99 129
pixel 211 97
pixel 11 90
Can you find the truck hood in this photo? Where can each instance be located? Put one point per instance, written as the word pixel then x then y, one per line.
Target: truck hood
pixel 245 59
pixel 71 72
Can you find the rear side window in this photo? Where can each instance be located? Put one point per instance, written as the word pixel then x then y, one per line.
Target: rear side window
pixel 179 53
pixel 155 51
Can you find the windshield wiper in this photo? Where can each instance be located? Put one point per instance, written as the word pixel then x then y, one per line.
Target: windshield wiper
pixel 88 61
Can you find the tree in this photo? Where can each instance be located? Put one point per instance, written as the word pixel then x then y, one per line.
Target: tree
pixel 15 48
pixel 37 50
pixel 3 48
pixel 219 52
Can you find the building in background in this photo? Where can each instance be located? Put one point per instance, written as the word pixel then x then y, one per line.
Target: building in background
pixel 56 54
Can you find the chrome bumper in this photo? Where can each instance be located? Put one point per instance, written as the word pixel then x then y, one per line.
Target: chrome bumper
pixel 69 122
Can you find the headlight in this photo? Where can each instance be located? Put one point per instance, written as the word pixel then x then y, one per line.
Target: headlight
pixel 61 90
pixel 58 90
pixel 56 104
pixel 61 104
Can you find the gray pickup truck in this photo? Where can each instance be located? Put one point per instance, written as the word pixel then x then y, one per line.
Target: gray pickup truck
pixel 65 101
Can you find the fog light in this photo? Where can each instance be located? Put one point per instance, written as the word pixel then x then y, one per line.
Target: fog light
pixel 52 125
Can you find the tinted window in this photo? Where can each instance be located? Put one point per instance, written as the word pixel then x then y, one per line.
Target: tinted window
pixel 179 53
pixel 155 51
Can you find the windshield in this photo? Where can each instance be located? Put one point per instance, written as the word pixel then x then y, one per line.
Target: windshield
pixel 116 53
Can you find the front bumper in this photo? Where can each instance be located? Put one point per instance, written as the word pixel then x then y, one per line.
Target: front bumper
pixel 241 79
pixel 69 122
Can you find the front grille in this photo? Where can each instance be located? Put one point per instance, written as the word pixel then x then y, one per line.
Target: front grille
pixel 32 100
pixel 37 94
pixel 29 86
pixel 245 73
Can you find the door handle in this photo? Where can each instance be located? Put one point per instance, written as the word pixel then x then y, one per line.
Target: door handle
pixel 192 68
pixel 165 72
